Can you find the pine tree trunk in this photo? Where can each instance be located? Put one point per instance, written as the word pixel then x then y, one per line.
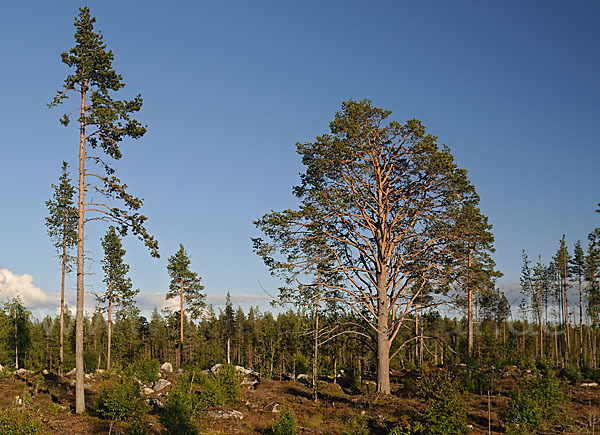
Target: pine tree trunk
pixel 316 353
pixel 416 357
pixel 581 357
pixel 541 319
pixel 383 340
pixel 567 317
pixel 470 309
pixel 181 325
pixel 16 342
pixel 555 332
pixel 228 347
pixel 589 341
pixel 109 325
pixel 62 301
pixel 79 379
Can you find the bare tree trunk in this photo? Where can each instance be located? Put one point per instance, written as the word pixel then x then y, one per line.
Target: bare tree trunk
pixel 555 333
pixel 109 325
pixel 228 347
pixel 16 342
pixel 62 301
pixel 594 348
pixel 383 340
pixel 316 352
pixel 541 319
pixel 79 377
pixel 567 317
pixel 334 368
pixel 589 340
pixel 417 359
pixel 523 334
pixel 581 357
pixel 181 325
pixel 470 309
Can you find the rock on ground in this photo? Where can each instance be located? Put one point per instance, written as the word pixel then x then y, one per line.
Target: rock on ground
pixel 215 369
pixel 303 378
pixel 167 367
pixel 161 384
pixel 223 413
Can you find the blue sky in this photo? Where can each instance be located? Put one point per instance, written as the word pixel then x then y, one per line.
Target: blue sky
pixel 229 88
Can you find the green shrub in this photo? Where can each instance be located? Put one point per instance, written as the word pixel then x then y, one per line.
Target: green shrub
pixel 123 401
pixel 535 402
pixel 177 416
pixel 356 426
pixel 590 373
pixel 222 389
pixel 399 430
pixel 475 377
pixel 525 411
pixel 302 364
pixel 445 411
pixel 574 373
pixel 186 392
pixel 16 422
pixel 5 373
pixel 286 425
pixel 147 370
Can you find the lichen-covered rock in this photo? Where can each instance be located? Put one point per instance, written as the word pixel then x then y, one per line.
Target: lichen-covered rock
pixel 224 413
pixel 303 378
pixel 167 367
pixel 161 384
pixel 215 369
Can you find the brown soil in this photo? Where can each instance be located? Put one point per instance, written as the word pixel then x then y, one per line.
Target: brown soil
pixel 51 398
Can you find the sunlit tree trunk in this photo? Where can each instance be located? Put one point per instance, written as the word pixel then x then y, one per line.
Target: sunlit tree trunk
pixel 79 377
pixel 109 325
pixel 62 302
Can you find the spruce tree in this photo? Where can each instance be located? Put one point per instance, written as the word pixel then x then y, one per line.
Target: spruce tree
pixel 62 229
pixel 103 122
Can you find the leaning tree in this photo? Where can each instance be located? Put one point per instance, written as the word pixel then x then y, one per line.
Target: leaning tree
pixel 103 122
pixel 382 198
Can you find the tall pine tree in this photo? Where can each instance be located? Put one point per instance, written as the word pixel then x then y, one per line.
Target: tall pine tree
pixel 186 285
pixel 577 269
pixel 562 259
pixel 62 229
pixel 103 122
pixel 475 266
pixel 119 291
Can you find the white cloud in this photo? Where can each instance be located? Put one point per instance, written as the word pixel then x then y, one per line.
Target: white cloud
pixel 238 299
pixel 13 285
pixel 148 301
